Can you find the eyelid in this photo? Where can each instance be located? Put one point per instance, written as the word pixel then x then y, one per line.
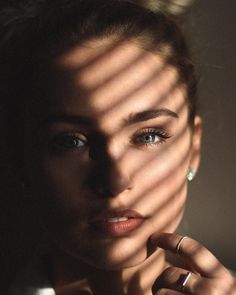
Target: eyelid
pixel 81 135
pixel 78 134
pixel 159 130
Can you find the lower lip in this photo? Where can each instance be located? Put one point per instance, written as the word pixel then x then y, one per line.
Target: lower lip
pixel 117 229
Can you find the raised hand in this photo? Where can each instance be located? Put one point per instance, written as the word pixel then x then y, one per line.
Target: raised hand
pixel 203 275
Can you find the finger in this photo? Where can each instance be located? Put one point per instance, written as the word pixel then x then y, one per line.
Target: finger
pixel 185 282
pixel 198 257
pixel 180 280
pixel 168 292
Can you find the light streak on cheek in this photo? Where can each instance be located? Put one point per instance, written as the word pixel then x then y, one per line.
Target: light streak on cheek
pixel 162 196
pixel 158 173
pixel 166 216
pixel 147 164
pixel 165 169
pixel 167 187
pixel 171 210
pixel 156 162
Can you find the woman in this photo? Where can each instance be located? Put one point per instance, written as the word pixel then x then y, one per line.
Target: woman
pixel 104 104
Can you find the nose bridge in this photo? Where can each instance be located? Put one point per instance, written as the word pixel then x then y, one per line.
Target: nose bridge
pixel 110 175
pixel 116 151
pixel 111 157
pixel 107 148
pixel 115 148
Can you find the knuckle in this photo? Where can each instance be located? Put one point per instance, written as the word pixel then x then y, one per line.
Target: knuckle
pixel 170 274
pixel 228 286
pixel 170 271
pixel 195 247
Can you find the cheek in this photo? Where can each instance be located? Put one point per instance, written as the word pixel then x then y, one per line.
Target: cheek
pixel 160 185
pixel 59 172
pixel 57 188
pixel 166 208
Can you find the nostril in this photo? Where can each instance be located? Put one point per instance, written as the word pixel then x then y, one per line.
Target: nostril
pixel 110 187
pixel 107 178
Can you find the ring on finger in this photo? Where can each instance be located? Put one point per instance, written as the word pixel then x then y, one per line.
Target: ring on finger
pixel 184 281
pixel 179 244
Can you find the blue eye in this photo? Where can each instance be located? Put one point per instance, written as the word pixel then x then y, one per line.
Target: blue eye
pixel 149 137
pixel 68 142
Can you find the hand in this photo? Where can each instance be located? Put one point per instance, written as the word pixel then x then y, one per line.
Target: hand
pixel 204 274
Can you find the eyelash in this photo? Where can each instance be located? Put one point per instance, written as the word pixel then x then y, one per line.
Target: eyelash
pixel 74 141
pixel 156 132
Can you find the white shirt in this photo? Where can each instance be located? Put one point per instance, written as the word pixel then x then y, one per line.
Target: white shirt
pixel 32 280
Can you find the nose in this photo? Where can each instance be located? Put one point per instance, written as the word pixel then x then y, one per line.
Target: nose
pixel 110 184
pixel 107 178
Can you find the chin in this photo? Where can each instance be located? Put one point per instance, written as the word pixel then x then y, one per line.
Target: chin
pixel 111 254
pixel 122 258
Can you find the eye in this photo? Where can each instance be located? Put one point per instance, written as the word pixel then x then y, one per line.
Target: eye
pixel 63 142
pixel 150 137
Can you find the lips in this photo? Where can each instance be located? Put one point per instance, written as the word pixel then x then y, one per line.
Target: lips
pixel 117 223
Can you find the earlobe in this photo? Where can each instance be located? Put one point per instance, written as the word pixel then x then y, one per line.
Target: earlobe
pixel 196 144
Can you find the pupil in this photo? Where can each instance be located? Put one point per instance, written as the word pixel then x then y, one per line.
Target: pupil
pixel 149 138
pixel 71 141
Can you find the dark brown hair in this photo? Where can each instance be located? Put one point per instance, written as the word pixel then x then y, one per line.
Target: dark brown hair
pixel 35 31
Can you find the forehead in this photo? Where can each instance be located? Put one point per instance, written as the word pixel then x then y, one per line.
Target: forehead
pixel 112 77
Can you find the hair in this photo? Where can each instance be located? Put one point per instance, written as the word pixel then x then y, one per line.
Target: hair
pixel 35 31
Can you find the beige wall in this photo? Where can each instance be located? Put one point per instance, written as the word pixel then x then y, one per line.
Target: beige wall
pixel 211 209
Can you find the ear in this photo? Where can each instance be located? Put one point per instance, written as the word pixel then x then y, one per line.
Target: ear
pixel 196 144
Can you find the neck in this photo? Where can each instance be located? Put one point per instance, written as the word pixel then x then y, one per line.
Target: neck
pixel 70 277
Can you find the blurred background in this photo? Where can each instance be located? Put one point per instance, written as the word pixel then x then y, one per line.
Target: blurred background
pixel 211 209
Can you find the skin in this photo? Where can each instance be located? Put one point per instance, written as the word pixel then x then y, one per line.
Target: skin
pixel 143 164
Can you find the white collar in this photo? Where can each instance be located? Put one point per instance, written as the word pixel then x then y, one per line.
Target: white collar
pixel 32 280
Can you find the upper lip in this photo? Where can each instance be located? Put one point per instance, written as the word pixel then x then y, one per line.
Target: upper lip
pixel 112 213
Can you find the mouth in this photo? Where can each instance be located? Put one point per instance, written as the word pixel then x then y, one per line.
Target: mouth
pixel 117 223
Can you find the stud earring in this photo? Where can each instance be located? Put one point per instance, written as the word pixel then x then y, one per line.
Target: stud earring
pixel 191 174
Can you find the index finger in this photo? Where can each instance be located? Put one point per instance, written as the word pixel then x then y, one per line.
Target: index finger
pixel 197 256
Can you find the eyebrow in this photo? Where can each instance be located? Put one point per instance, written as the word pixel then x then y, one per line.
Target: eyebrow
pixel 132 119
pixel 150 114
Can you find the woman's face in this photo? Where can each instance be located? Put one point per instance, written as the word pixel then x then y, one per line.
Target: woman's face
pixel 108 158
